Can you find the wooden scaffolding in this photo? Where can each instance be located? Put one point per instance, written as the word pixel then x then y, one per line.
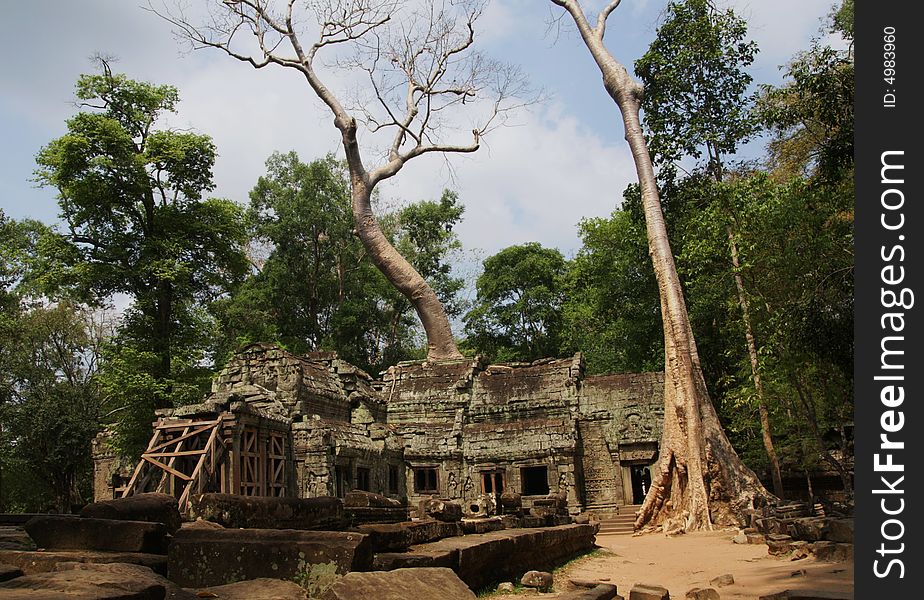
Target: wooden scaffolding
pixel 227 453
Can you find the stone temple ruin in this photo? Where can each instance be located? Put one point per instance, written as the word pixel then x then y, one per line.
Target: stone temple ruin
pixel 277 424
pixel 301 477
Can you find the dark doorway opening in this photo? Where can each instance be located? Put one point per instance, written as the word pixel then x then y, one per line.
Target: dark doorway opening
pixel 363 475
pixel 641 481
pixel 342 480
pixel 535 480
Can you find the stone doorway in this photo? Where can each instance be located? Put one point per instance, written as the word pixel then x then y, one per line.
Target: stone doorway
pixel 641 481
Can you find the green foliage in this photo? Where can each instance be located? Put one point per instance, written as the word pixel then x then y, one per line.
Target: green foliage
pixel 811 116
pixel 425 238
pixel 136 224
pixel 517 313
pixel 695 83
pixel 317 288
pixel 50 407
pixel 611 311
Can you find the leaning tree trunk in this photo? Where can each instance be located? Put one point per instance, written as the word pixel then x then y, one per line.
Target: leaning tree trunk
pixel 699 479
pixel 399 272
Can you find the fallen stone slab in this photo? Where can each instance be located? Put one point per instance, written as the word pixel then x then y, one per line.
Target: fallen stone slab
pixel 401 584
pixel 484 559
pixel 441 510
pixel 254 589
pixel 356 515
pixel 32 562
pixel 643 591
pixel 88 582
pixel 263 512
pixel 389 561
pixel 151 507
pixel 8 572
pixel 702 594
pixel 722 580
pixel 15 538
pixel 809 529
pixel 840 530
pixel 511 503
pixel 778 544
pixel 395 537
pixel 359 498
pixel 470 526
pixel 808 595
pixel 69 533
pixel 832 551
pixel 17 519
pixel 206 557
pixel 601 591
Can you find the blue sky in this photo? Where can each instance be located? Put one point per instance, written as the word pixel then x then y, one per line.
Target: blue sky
pixel 560 161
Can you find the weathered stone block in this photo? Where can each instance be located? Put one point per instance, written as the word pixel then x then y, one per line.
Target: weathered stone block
pixel 395 537
pixel 641 591
pixel 778 544
pixel 359 498
pixel 15 538
pixel 840 530
pixel 722 580
pixel 357 515
pixel 260 512
pixel 88 582
pixel 470 526
pixel 702 594
pixel 389 561
pixel 43 562
pixel 601 591
pixel 511 503
pixel 154 508
pixel 255 589
pixel 832 551
pixel 215 557
pixel 8 572
pixel 484 559
pixel 441 510
pixel 71 533
pixel 401 584
pixel 810 529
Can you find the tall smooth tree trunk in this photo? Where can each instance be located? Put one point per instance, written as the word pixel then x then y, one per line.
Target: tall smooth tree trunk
pixel 699 479
pixel 765 430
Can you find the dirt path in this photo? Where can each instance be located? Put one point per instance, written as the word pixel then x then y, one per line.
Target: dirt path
pixel 692 560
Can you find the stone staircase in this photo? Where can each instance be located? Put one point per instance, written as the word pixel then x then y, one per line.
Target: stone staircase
pixel 619 522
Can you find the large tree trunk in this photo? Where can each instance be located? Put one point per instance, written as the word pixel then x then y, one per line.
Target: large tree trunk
pixel 699 479
pixel 398 271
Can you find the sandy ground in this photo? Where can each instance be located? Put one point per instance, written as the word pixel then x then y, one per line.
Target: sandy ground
pixel 692 560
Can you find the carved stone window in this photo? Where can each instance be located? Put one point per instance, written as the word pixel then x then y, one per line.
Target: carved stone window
pixel 426 480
